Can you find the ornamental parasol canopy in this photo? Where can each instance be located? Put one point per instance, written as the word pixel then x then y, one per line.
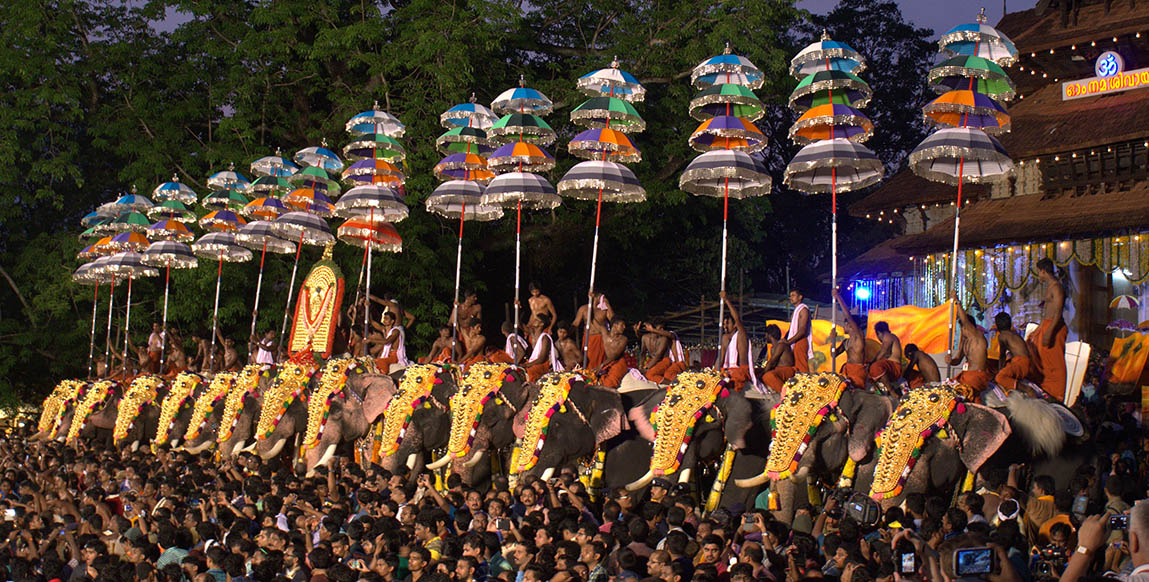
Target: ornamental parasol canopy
pixel 522 99
pixel 274 166
pixel 532 190
pixel 727 132
pixel 957 72
pixel 375 145
pixel 105 226
pixel 124 264
pixel 310 200
pixel 374 202
pixel 609 112
pixel 468 115
pixel 221 220
pixel 962 108
pixel 470 167
pixel 604 143
pixel 128 203
pixel 980 40
pixel 133 221
pixel 303 227
pixel 961 154
pixel 258 235
pixel 826 54
pixel 319 157
pixel 725 99
pixel 220 246
pixel 366 170
pixel 228 198
pixel 228 178
pixel 833 164
pixel 89 234
pixel 461 198
pixel 170 253
pixel 316 178
pixel 84 275
pixel 1125 302
pixel 170 230
pixel 376 121
pixel 270 186
pixel 723 68
pixel 175 190
pixel 612 82
pixel 381 236
pixel 463 140
pixel 94 250
pixel 520 156
pixel 821 87
pixel 731 173
pixel 91 218
pixel 171 210
pixel 831 121
pixel 615 182
pixel 1121 325
pixel 264 208
pixel 526 127
pixel 96 273
pixel 129 241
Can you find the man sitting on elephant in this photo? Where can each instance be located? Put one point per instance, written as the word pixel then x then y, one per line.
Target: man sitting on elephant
pixel 974 349
pixel 781 366
pixel 393 342
pixel 734 351
pixel 614 368
pixel 666 357
pixel 569 353
pixel 854 368
pixel 887 366
pixel 922 369
pixel 1019 363
pixel 544 357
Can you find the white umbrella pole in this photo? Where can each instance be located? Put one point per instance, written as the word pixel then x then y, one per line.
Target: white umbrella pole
pixel 458 275
pixel 367 289
pixel 833 262
pixel 127 328
pixel 108 340
pixel 290 293
pixel 718 362
pixel 215 314
pixel 518 259
pixel 164 325
pixel 258 290
pixel 92 342
pixel 954 256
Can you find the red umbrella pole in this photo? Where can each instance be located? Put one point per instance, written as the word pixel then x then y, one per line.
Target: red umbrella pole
pixel 833 260
pixel 108 340
pixel 164 325
pixel 92 342
pixel 722 274
pixel 458 275
pixel 290 292
pixel 367 290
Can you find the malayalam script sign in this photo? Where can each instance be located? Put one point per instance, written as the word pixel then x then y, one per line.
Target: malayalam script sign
pixel 1111 78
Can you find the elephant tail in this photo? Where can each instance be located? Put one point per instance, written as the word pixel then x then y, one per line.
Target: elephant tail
pixel 1037 422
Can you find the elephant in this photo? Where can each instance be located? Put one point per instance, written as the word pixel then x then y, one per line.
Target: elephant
pixel 57 410
pixel 137 413
pixel 843 422
pixel 484 411
pixel 224 413
pixel 93 417
pixel 175 409
pixel 416 419
pixel 282 410
pixel 582 417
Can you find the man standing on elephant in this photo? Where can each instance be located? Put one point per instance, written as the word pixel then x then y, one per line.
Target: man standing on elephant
pixel 974 349
pixel 666 359
pixel 782 363
pixel 734 351
pixel 393 342
pixel 1017 367
pixel 798 335
pixel 887 367
pixel 155 348
pixel 614 346
pixel 1049 339
pixel 854 369
pixel 544 357
pixel 600 316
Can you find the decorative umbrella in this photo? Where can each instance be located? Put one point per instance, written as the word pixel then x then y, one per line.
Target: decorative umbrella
pixel 310 200
pixel 826 55
pixel 104 226
pixel 377 146
pixel 221 220
pixel 726 68
pixel 316 179
pixel 99 248
pixel 615 181
pixel 964 108
pixel 522 99
pixel 726 99
pixel 175 190
pixel 259 235
pixel 173 230
pixel 830 122
pixel 520 156
pixel 463 140
pixel 371 236
pixel 727 132
pixel 228 179
pixel 375 121
pixel 468 115
pixel 527 126
pixel 610 112
pixel 264 209
pixel 1125 302
pixel 958 72
pixel 604 144
pixel 726 174
pixel 275 166
pixel 220 246
pixel 377 203
pixel 226 199
pixel 129 203
pixel 129 221
pixel 305 229
pixel 171 210
pixel 320 157
pixel 274 186
pixel 91 218
pixel 373 168
pixel 980 40
pixel 127 264
pixel 833 166
pixel 613 82
pixel 168 254
pixel 470 167
pixel 826 86
pixel 957 155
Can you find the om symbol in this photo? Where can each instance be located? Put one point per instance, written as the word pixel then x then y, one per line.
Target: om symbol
pixel 1108 64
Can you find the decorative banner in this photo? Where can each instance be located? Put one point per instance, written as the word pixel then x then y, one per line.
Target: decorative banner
pixel 926 327
pixel 1111 78
pixel 1129 355
pixel 317 309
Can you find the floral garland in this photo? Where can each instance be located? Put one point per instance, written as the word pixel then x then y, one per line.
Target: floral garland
pixel 921 413
pixel 331 382
pixel 179 394
pixel 289 383
pixel 554 388
pixel 806 400
pixel 56 404
pixel 414 389
pixel 483 380
pixel 142 391
pixel 95 396
pixel 246 383
pixel 687 399
pixel 219 387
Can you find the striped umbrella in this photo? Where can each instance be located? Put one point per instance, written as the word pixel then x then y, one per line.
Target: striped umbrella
pixel 833 166
pixel 370 168
pixel 965 108
pixel 829 122
pixel 317 179
pixel 611 112
pixel 221 220
pixel 129 203
pixel 470 167
pixel 520 156
pixel 823 86
pixel 522 100
pixel 320 157
pixel 961 154
pixel 86 274
pixel 726 68
pixel 374 202
pixel 220 246
pixel 958 72
pixel 226 199
pixel 170 230
pixel 615 182
pixel 275 166
pixel 726 173
pixel 375 121
pixel 104 227
pixel 264 208
pixel 463 140
pixel 168 254
pixel 175 190
pixel 375 145
pixel 604 144
pixel 228 179
pixel 468 115
pixel 171 210
pixel 726 99
pixel 380 236
pixel 612 82
pixel 95 250
pixel 310 200
pixel 126 264
pixel 826 55
pixel 727 132
pixel 259 235
pixel 129 221
pixel 980 40
pixel 523 127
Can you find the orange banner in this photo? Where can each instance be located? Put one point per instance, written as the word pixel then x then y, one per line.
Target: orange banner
pixel 1129 355
pixel 926 327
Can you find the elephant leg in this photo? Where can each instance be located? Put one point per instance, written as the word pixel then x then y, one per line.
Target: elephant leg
pixel 785 493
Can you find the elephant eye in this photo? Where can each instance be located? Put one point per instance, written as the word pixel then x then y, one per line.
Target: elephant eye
pixel 700 384
pixel 486 375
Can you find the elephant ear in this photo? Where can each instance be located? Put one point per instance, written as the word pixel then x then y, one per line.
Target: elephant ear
pixel 377 393
pixel 982 431
pixel 602 409
pixel 519 425
pixel 639 415
pixel 867 414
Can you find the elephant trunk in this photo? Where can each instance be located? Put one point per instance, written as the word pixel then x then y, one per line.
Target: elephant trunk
pixel 754 481
pixel 273 451
pixel 641 482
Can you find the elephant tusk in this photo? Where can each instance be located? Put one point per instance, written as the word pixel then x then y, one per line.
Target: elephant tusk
pixel 478 456
pixel 135 445
pixel 641 482
pixel 327 454
pixel 411 462
pixel 754 481
pixel 684 476
pixel 548 473
pixel 274 451
pixel 440 462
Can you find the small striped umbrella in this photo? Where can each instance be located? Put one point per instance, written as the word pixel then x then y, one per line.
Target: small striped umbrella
pixel 522 99
pixel 375 145
pixel 129 203
pixel 171 210
pixel 318 179
pixel 1125 302
pixel 129 241
pixel 170 230
pixel 962 71
pixel 829 122
pixel 169 255
pixel 275 166
pixel 612 82
pixel 221 220
pixel 604 144
pixel 961 154
pixel 727 132
pixel 825 55
pixel 228 179
pixel 222 247
pixel 611 112
pixel 264 208
pixel 470 167
pixel 824 86
pixel 726 173
pixel 86 274
pixel 175 190
pixel 130 221
pixel 833 165
pixel 726 68
pixel 310 200
pixel 320 157
pixel 980 40
pixel 463 140
pixel 376 121
pixel 522 127
pixel 226 199
pixel 374 202
pixel 365 170
pixel 967 109
pixel 590 179
pixel 522 157
pixel 726 99
pixel 468 115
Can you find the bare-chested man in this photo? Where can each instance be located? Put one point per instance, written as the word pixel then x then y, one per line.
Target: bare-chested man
pixel 515 346
pixel 1048 342
pixel 202 356
pixel 974 349
pixel 539 303
pixel 1018 365
pixel 666 358
pixel 467 311
pixel 614 367
pixel 601 314
pixel 854 368
pixel 155 348
pixel 887 366
pixel 922 368
pixel 781 365
pixel 544 357
pixel 230 354
pixel 392 341
pixel 475 343
pixel 734 351
pixel 798 335
pixel 177 357
pixel 569 353
pixel 390 305
pixel 441 348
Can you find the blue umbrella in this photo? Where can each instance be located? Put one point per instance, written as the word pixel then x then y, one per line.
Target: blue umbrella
pixel 468 115
pixel 522 99
pixel 319 157
pixel 228 179
pixel 175 190
pixel 726 68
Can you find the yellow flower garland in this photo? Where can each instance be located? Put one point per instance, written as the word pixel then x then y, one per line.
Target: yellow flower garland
pixel 687 399
pixel 483 380
pixel 247 383
pixel 220 386
pixel 143 390
pixel 56 404
pixel 289 383
pixel 181 390
pixel 413 389
pixel 95 396
pixel 331 382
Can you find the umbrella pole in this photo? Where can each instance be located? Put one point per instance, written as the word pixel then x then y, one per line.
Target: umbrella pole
pixel 92 342
pixel 358 290
pixel 215 314
pixel 258 292
pixel 164 325
pixel 718 363
pixel 833 262
pixel 593 270
pixel 367 288
pixel 290 293
pixel 518 258
pixel 458 274
pixel 127 328
pixel 954 256
pixel 108 340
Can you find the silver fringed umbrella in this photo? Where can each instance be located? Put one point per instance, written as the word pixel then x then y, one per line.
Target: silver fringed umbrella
pixel 220 246
pixel 616 182
pixel 87 275
pixel 259 235
pixel 168 254
pixel 373 201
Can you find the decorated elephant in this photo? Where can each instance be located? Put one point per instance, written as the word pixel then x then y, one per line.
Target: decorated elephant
pixel 57 410
pixel 93 417
pixel 176 409
pixel 224 413
pixel 346 397
pixel 138 412
pixel 282 410
pixel 820 429
pixel 416 418
pixel 567 420
pixel 483 418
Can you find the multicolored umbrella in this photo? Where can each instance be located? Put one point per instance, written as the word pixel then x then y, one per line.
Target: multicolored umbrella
pixel 128 203
pixel 611 112
pixel 168 254
pixel 726 99
pixel 965 108
pixel 170 230
pixel 228 198
pixel 468 115
pixel 727 132
pixel 222 247
pixel 275 166
pixel 91 218
pixel 375 121
pixel 318 179
pixel 228 179
pixel 175 190
pixel 959 155
pixel 310 200
pixel 375 145
pixel 374 202
pixel 591 179
pixel 222 220
pixel 380 236
pixel 522 127
pixel 726 68
pixel 830 122
pixel 726 173
pixel 259 235
pixel 463 140
pixel 604 144
pixel 275 186
pixel 612 82
pixel 826 55
pixel 172 210
pixel 980 40
pixel 470 167
pixel 522 100
pixel 130 221
pixel 820 87
pixel 321 157
pixel 264 209
pixel 1125 302
pixel 962 71
pixel 365 170
pixel 520 156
